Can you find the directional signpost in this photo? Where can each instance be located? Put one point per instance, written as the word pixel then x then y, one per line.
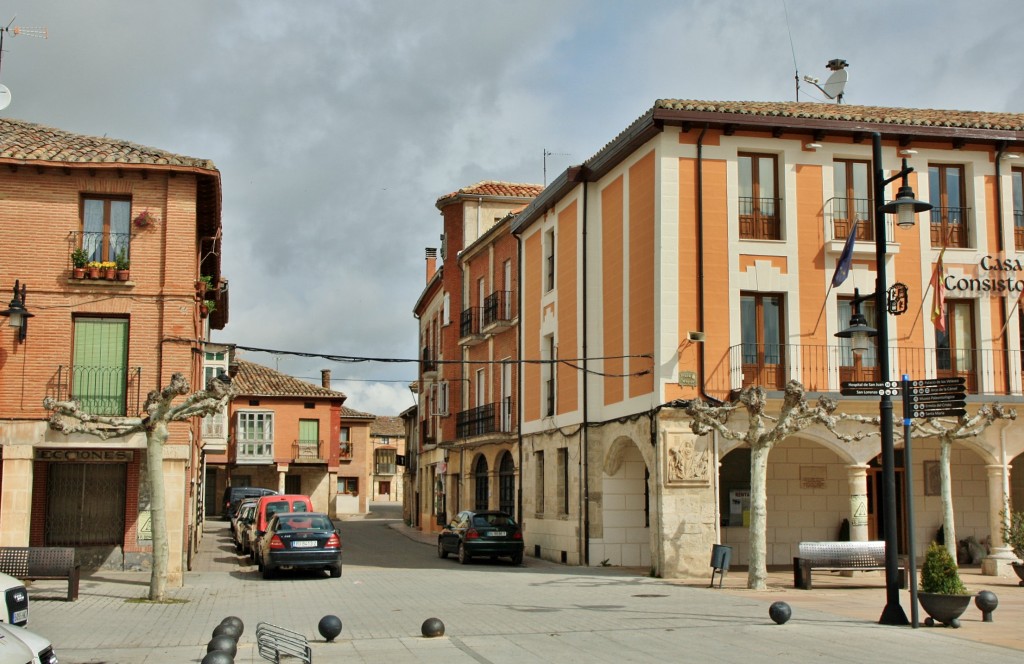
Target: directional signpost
pixel 936 397
pixel 863 388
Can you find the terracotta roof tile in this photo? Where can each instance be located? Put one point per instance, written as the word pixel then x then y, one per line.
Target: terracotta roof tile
pixel 26 141
pixel 387 425
pixel 349 413
pixel 257 380
pixel 495 189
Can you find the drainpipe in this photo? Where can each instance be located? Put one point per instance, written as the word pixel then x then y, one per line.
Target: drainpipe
pixel 584 442
pixel 519 379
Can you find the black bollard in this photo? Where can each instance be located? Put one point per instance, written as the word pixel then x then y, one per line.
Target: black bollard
pixel 329 627
pixel 227 629
pixel 432 627
pixel 987 601
pixel 780 612
pixel 235 620
pixel 224 643
pixel 218 657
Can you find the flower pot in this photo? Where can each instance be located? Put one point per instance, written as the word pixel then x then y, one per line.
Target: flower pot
pixel 204 311
pixel 78 272
pixel 111 274
pixel 94 272
pixel 123 275
pixel 945 609
pixel 1019 569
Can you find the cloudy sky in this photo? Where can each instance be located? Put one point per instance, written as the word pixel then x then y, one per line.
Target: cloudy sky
pixel 336 124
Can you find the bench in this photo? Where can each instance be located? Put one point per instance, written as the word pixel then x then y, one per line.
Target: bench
pixel 36 563
pixel 839 557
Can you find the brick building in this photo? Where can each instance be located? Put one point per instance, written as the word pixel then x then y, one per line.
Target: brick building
pixel 104 342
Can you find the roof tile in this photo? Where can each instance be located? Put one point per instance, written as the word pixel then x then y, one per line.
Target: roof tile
pixel 257 380
pixel 494 188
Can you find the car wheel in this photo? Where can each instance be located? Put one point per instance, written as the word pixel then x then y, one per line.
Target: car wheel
pixel 335 571
pixel 268 572
pixel 441 553
pixel 517 558
pixel 464 557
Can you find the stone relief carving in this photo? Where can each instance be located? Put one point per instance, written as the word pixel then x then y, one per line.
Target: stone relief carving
pixel 688 461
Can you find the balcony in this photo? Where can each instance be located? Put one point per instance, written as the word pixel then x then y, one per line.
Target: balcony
pixel 949 226
pixel 428 365
pixel 255 452
pixel 307 451
pixel 109 391
pixel 843 212
pixel 492 418
pixel 469 327
pixel 759 218
pixel 345 451
pixel 499 311
pixel 986 371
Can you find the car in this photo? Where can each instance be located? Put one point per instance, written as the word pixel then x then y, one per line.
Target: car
pixel 20 646
pixel 15 601
pixel 233 495
pixel 490 534
pixel 266 508
pixel 241 523
pixel 300 540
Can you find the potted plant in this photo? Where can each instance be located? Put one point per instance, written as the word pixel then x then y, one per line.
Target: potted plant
pixel 144 219
pixel 203 284
pixel 123 266
pixel 93 267
pixel 942 594
pixel 207 307
pixel 1013 536
pixel 79 259
pixel 109 270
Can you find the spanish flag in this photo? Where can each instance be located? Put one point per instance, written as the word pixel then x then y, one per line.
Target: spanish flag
pixel 939 295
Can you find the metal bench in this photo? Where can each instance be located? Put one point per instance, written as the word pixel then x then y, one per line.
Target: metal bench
pixel 37 563
pixel 839 557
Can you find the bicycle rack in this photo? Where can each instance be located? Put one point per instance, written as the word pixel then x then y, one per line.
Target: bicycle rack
pixel 273 642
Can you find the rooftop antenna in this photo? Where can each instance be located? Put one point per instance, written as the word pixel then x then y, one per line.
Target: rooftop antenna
pixel 14 30
pixel 792 49
pixel 548 153
pixel 836 83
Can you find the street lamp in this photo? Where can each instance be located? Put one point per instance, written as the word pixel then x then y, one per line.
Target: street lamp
pixel 906 206
pixel 16 313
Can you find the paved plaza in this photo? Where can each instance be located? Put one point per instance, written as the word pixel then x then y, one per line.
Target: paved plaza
pixel 494 612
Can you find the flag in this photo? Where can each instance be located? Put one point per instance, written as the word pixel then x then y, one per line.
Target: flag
pixel 845 258
pixel 939 295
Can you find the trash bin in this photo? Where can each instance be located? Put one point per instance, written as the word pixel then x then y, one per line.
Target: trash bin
pixel 720 557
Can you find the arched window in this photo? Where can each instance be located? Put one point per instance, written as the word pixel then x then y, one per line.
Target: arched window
pixel 507 484
pixel 480 480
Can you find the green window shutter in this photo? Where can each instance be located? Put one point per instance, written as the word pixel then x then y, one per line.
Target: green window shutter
pixel 309 430
pixel 100 371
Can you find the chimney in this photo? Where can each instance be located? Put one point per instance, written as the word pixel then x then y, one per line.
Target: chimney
pixel 431 262
pixel 325 378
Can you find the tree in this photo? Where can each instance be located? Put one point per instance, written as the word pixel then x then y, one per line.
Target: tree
pixel 68 418
pixel 947 431
pixel 763 431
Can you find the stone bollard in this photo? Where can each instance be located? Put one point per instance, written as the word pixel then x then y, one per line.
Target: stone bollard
pixel 987 601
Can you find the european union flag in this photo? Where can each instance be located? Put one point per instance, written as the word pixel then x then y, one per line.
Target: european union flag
pixel 845 258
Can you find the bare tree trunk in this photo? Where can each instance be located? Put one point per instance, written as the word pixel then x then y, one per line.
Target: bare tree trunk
pixel 155 458
pixel 948 527
pixel 757 571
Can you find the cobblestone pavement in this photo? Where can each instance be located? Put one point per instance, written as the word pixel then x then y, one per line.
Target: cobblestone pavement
pixel 496 613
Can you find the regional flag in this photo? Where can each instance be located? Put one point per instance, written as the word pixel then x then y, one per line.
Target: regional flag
pixel 939 295
pixel 845 258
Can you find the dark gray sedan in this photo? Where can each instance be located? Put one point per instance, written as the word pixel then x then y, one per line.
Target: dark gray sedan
pixel 300 540
pixel 481 534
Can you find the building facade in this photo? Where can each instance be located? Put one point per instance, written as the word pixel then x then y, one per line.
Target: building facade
pixel 692 257
pixel 102 336
pixel 387 445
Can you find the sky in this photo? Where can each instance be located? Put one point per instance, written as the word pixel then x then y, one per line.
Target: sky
pixel 337 124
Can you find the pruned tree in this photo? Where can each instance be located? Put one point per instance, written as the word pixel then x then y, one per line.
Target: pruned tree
pixel 762 433
pixel 948 431
pixel 68 418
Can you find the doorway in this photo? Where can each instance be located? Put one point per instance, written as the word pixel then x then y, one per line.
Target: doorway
pixel 876 515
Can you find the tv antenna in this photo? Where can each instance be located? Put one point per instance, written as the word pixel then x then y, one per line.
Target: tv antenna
pixel 14 31
pixel 836 83
pixel 548 153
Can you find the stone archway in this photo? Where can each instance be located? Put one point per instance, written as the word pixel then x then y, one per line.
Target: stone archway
pixel 624 538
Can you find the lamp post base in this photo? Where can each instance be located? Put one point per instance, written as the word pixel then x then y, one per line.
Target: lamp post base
pixel 893 614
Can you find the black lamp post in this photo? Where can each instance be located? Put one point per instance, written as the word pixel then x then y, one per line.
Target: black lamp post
pixel 906 206
pixel 16 313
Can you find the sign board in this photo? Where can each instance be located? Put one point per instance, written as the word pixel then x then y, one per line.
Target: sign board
pixel 932 382
pixel 930 411
pixel 937 389
pixel 864 388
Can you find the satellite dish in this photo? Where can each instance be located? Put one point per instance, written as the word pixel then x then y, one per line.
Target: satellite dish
pixel 5 97
pixel 835 84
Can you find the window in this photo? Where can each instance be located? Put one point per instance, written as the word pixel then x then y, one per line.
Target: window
pixel 948 214
pixel 481 493
pixel 762 333
pixel 1017 178
pixel 348 485
pixel 384 488
pixel 99 375
pixel 563 480
pixel 308 445
pixel 853 367
pixel 538 482
pixel 758 204
pixel 507 484
pixel 852 199
pixel 346 443
pixel 481 388
pixel 549 260
pixel 446 311
pixel 255 436
pixel 954 348
pixel 106 227
pixel 384 462
pixel 213 425
pixel 549 376
pixel 439 398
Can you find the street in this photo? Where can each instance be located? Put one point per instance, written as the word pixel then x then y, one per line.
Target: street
pixel 492 611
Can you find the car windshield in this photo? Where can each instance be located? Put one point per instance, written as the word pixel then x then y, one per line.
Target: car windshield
pixel 485 520
pixel 303 522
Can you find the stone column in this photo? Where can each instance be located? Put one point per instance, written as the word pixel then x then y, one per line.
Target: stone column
pixel 999 561
pixel 282 470
pixel 858 477
pixel 16 501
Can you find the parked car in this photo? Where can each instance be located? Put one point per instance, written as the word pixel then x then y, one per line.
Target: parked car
pixel 15 608
pixel 241 523
pixel 20 646
pixel 300 540
pixel 235 494
pixel 473 534
pixel 266 508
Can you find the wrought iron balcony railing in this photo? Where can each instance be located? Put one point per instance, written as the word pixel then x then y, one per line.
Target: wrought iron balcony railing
pixel 109 391
pixel 760 218
pixel 100 246
pixel 469 324
pixel 499 308
pixel 306 451
pixel 429 362
pixel 490 418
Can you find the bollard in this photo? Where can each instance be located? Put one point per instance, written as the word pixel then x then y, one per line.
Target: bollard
pixel 235 620
pixel 227 629
pixel 780 612
pixel 432 627
pixel 987 601
pixel 224 643
pixel 218 657
pixel 329 627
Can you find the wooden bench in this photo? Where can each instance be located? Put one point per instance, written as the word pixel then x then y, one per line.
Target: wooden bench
pixel 839 557
pixel 37 563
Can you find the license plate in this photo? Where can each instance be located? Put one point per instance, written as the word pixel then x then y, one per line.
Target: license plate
pixel 20 616
pixel 304 544
pixel 498 533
